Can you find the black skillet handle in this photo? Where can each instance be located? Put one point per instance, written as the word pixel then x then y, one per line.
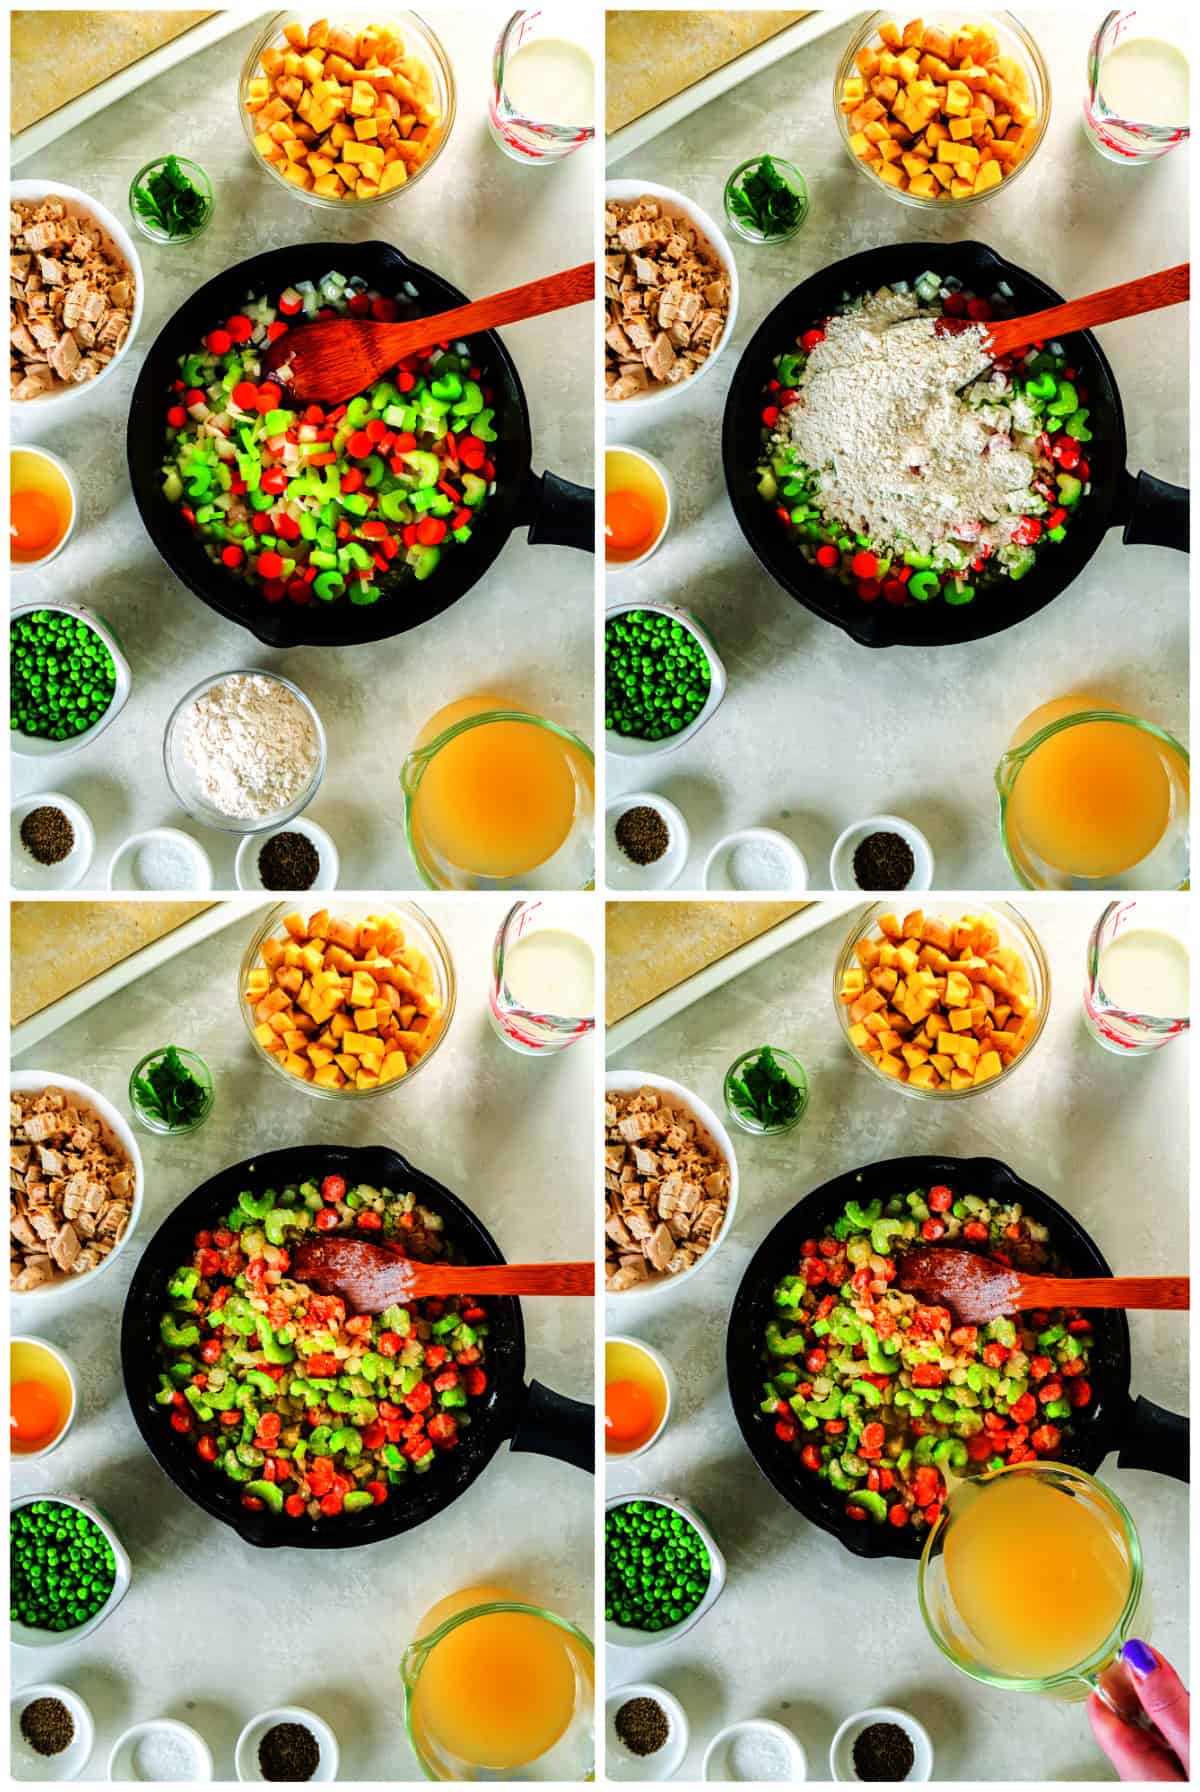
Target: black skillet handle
pixel 563 514
pixel 1159 513
pixel 1156 1439
pixel 555 1425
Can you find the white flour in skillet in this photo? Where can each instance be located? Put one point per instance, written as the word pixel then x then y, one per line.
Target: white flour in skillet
pixel 900 456
pixel 251 745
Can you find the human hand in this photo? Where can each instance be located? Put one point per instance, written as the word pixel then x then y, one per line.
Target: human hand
pixel 1143 1682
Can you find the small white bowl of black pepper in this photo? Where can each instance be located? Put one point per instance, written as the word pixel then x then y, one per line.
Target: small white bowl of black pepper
pixel 882 853
pixel 880 1745
pixel 647 842
pixel 300 856
pixel 288 1743
pixel 647 1733
pixel 51 1733
pixel 51 842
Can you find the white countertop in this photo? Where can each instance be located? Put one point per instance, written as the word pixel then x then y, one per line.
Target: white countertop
pixel 805 1632
pixel 525 631
pixel 817 732
pixel 213 1631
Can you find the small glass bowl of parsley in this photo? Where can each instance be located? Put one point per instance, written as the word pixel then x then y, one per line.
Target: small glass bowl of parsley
pixel 171 200
pixel 766 1090
pixel 766 199
pixel 171 1091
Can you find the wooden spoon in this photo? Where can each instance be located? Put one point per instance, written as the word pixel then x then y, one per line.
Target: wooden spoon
pixel 370 1277
pixel 1004 336
pixel 977 1288
pixel 336 357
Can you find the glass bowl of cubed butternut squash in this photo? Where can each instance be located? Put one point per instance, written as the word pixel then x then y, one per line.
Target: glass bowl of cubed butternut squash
pixel 942 110
pixel 350 108
pixel 350 1000
pixel 942 1003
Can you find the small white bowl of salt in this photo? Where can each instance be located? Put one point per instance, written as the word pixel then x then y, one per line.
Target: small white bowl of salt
pixel 160 859
pixel 160 1751
pixel 756 859
pixel 756 1749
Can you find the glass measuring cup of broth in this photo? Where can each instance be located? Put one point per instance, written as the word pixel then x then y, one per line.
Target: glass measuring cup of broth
pixel 1137 994
pixel 498 1689
pixel 496 798
pixel 543 989
pixel 1094 798
pixel 543 99
pixel 1031 1578
pixel 1138 103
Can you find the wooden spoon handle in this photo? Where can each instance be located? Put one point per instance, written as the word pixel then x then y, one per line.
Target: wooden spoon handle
pixel 1149 293
pixel 1166 1293
pixel 441 1279
pixel 554 292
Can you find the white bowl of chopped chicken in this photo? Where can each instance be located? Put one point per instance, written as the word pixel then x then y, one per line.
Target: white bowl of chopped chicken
pixel 74 1162
pixel 68 244
pixel 652 354
pixel 670 1181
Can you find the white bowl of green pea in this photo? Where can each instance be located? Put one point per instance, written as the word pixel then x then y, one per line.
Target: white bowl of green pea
pixel 632 746
pixel 630 1636
pixel 92 634
pixel 27 1636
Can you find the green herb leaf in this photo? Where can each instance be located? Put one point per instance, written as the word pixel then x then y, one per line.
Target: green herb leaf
pixel 168 200
pixel 764 1090
pixel 168 1092
pixel 764 200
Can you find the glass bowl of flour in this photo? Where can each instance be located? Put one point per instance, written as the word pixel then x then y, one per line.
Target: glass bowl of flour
pixel 244 751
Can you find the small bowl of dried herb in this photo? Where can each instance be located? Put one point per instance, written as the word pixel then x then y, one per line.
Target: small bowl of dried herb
pixel 301 856
pixel 766 199
pixel 171 200
pixel 171 1091
pixel 884 853
pixel 51 1732
pixel 51 842
pixel 766 1091
pixel 647 1733
pixel 648 842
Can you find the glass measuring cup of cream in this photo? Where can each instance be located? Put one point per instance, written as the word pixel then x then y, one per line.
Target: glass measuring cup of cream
pixel 1137 994
pixel 1138 102
pixel 543 99
pixel 543 989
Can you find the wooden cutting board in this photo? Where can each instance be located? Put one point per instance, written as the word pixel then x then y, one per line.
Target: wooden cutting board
pixel 58 56
pixel 652 56
pixel 651 947
pixel 57 947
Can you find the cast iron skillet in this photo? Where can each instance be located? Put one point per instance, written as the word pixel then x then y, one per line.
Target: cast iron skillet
pixel 1147 509
pixel 533 1417
pixel 1146 1435
pixel 554 510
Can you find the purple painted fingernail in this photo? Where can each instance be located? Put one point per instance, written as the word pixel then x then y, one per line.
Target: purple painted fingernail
pixel 1141 1659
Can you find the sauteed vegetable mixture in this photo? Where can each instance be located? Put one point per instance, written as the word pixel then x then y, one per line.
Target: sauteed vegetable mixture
pixel 911 495
pixel 322 504
pixel 886 1398
pixel 310 1410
